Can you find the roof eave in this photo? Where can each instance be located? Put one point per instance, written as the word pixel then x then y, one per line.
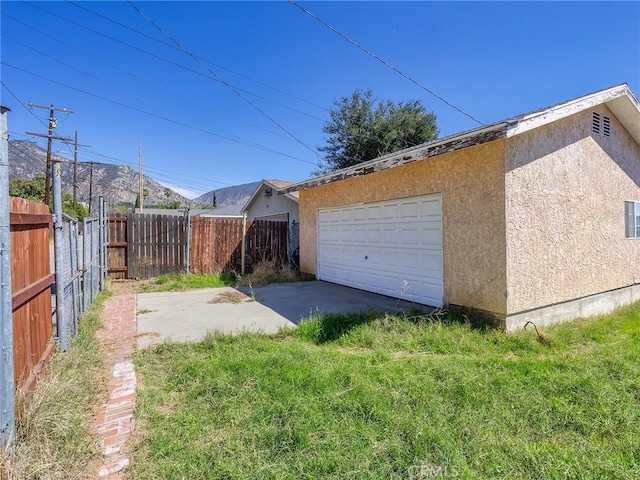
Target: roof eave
pixel 551 114
pixel 451 143
pixel 273 187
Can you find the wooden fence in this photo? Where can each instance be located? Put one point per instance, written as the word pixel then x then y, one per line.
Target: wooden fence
pixel 146 245
pixel 31 279
pixel 117 246
pixel 216 243
pixel 150 245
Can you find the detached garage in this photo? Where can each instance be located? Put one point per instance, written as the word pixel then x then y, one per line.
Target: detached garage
pixel 524 219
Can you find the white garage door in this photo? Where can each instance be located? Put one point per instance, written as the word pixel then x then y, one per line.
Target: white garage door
pixel 392 247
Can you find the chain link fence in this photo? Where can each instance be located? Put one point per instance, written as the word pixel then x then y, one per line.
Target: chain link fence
pixel 293 244
pixel 81 271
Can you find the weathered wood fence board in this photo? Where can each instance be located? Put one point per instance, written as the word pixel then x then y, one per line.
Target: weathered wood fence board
pixel 266 240
pixel 31 280
pixel 155 245
pixel 216 244
pixel 117 246
pixel 150 245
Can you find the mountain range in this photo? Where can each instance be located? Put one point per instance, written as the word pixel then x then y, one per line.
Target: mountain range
pixel 118 184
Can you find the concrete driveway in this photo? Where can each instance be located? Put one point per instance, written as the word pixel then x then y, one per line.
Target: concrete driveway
pixel 189 315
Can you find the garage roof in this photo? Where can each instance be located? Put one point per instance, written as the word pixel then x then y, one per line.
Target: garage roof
pixel 619 99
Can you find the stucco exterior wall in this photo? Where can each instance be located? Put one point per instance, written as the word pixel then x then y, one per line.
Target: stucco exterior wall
pixel 472 185
pixel 565 194
pixel 275 207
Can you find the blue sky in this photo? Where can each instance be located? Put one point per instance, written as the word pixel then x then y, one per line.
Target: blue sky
pixel 114 68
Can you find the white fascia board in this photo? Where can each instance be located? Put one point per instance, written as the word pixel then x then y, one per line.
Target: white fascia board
pixel 563 110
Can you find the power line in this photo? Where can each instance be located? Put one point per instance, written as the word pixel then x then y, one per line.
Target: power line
pixel 373 55
pixel 158 173
pixel 133 93
pixel 161 58
pixel 137 77
pixel 224 82
pixel 20 102
pixel 201 58
pixel 19 150
pixel 50 137
pixel 155 115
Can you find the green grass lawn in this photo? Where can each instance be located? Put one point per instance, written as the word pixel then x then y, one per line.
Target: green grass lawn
pixel 365 396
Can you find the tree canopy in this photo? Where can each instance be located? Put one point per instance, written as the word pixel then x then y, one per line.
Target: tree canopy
pixel 362 128
pixel 34 190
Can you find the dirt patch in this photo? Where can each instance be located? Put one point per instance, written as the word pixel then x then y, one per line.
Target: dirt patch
pixel 147 334
pixel 121 287
pixel 230 297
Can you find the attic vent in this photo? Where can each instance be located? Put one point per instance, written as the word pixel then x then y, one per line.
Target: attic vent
pixel 600 124
pixel 596 123
pixel 606 126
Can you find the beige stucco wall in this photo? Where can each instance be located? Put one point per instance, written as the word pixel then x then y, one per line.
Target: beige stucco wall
pixel 565 212
pixel 472 185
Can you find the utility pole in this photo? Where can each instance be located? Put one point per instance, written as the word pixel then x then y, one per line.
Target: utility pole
pixel 50 137
pixel 141 178
pixel 75 171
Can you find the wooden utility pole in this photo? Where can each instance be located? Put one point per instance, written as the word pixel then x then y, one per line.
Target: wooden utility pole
pixel 50 137
pixel 140 177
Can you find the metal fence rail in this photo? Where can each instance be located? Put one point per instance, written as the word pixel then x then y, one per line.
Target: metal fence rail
pixel 80 273
pixel 92 268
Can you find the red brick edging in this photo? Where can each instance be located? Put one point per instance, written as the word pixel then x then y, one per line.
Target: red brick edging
pixel 115 422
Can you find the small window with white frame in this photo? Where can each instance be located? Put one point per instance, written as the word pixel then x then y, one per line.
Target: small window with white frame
pixel 632 219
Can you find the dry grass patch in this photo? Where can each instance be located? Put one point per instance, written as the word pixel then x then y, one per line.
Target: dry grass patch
pixel 269 271
pixel 53 424
pixel 230 297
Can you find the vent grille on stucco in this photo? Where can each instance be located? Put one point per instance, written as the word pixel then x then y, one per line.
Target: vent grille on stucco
pixel 606 126
pixel 600 124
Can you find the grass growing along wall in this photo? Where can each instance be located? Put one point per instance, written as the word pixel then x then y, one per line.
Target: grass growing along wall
pixel 53 439
pixel 391 397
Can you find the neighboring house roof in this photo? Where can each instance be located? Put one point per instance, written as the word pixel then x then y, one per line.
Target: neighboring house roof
pixel 225 211
pixel 277 186
pixel 619 99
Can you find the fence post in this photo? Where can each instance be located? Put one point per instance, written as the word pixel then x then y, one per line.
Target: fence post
pixel 86 263
pixel 187 253
pixel 102 241
pixel 7 387
pixel 73 260
pixel 244 235
pixel 58 243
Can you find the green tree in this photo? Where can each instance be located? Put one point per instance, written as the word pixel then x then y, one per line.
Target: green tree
pixel 30 189
pixel 361 128
pixel 167 192
pixel 34 190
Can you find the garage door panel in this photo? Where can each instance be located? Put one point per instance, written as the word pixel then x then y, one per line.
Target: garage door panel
pixel 393 248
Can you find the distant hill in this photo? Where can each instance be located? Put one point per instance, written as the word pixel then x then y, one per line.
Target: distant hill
pixel 231 198
pixel 118 184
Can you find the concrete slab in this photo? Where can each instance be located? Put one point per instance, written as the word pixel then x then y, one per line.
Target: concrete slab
pixel 188 316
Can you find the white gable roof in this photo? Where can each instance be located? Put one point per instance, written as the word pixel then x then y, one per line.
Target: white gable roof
pixel 274 185
pixel 620 100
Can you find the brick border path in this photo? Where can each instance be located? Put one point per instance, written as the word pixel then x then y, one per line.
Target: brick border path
pixel 115 422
